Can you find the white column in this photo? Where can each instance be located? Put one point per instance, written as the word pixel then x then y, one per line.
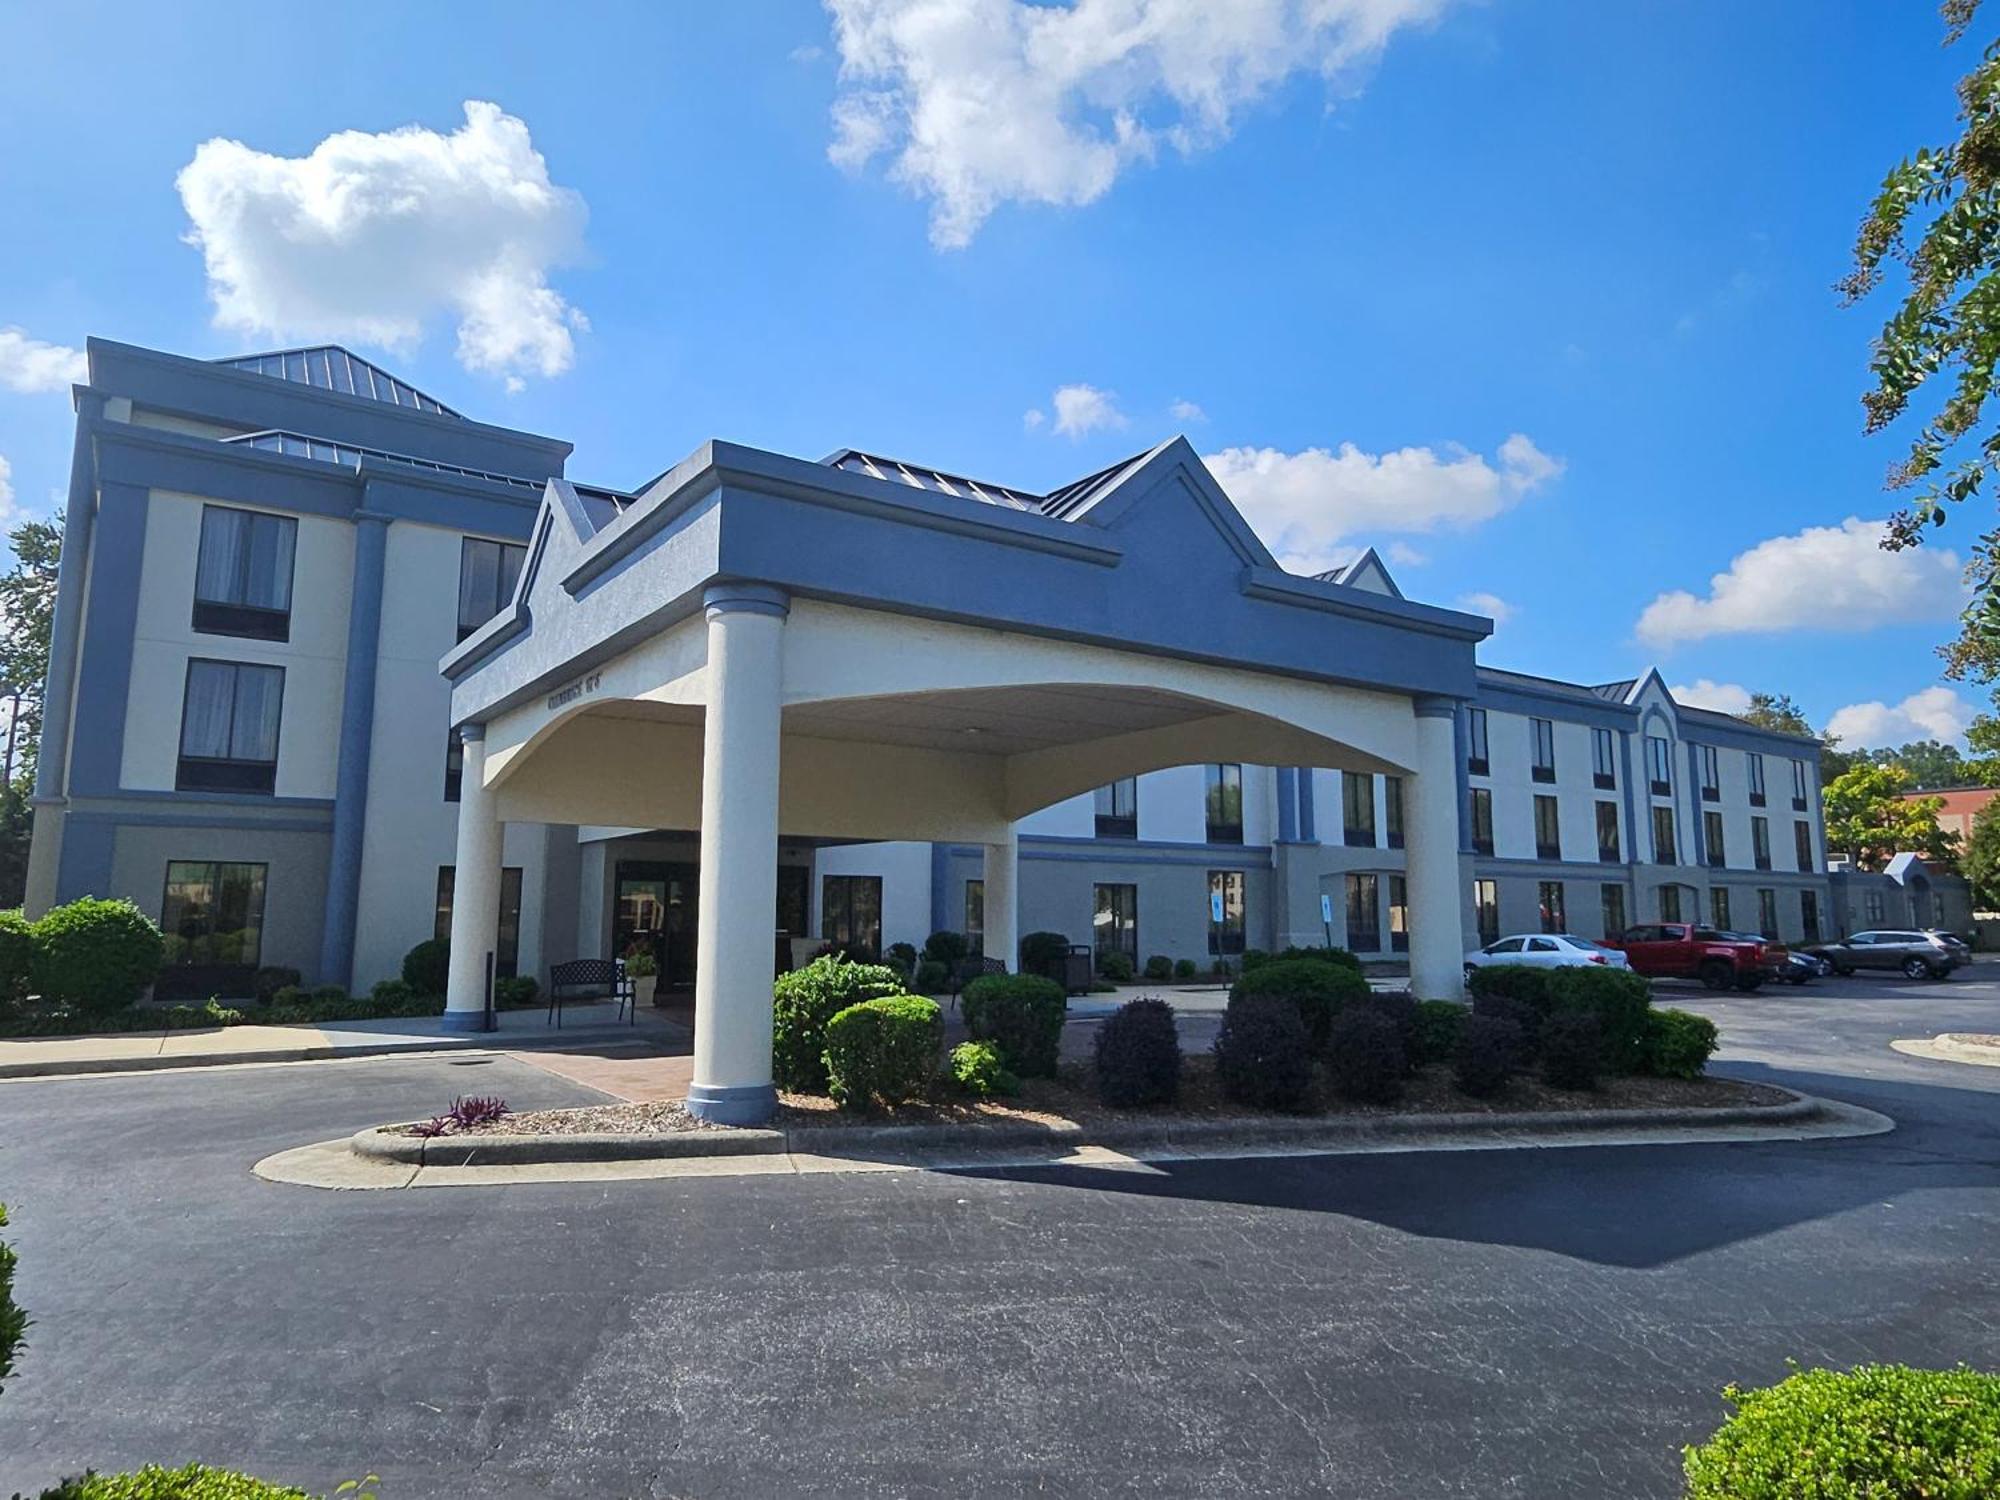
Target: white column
pixel 475 889
pixel 1002 941
pixel 736 918
pixel 1430 822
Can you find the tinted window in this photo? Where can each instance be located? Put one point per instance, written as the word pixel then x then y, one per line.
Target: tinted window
pixel 1506 945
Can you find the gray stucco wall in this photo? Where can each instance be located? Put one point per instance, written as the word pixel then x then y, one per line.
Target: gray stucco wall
pixel 295 884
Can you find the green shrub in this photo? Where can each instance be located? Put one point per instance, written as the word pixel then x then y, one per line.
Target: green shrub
pixel 1572 1049
pixel 1327 955
pixel 195 1482
pixel 1522 982
pixel 933 978
pixel 1618 998
pixel 903 956
pixel 1254 958
pixel 1317 989
pixel 1877 1432
pixel 1488 1055
pixel 1022 1015
pixel 946 948
pixel 883 1051
pixel 292 995
pixel 1263 1057
pixel 1159 966
pixel 979 1070
pixel 1116 965
pixel 97 956
pixel 1678 1043
pixel 1184 968
pixel 805 1000
pixel 1365 1056
pixel 267 981
pixel 427 967
pixel 329 994
pixel 1399 1008
pixel 1436 1036
pixel 1044 953
pixel 391 992
pixel 516 993
pixel 1139 1056
pixel 17 956
pixel 13 1320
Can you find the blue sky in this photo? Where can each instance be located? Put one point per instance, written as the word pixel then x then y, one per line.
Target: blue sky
pixel 1536 294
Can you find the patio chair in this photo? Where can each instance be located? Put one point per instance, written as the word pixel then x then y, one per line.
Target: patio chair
pixel 588 978
pixel 968 969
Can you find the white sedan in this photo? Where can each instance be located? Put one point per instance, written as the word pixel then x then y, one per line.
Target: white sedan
pixel 1546 950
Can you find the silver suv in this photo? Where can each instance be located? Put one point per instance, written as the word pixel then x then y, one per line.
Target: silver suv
pixel 1920 955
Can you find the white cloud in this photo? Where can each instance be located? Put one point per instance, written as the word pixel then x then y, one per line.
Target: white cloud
pixel 1187 411
pixel 370 237
pixel 9 511
pixel 1082 409
pixel 1304 503
pixel 1033 417
pixel 31 366
pixel 1498 610
pixel 1822 578
pixel 1403 555
pixel 1705 692
pixel 983 102
pixel 1936 713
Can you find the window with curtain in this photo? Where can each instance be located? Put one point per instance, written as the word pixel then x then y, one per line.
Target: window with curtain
pixel 1364 914
pixel 1711 835
pixel 213 917
pixel 850 912
pixel 1475 741
pixel 1548 829
pixel 1225 804
pixel 1392 810
pixel 1544 768
pixel 1549 896
pixel 1755 765
pixel 1399 914
pixel 1118 809
pixel 243 573
pixel 507 942
pixel 1718 907
pixel 1670 903
pixel 1357 809
pixel 1607 833
pixel 1802 845
pixel 1664 850
pixel 487 573
pixel 1603 760
pixel 1114 925
pixel 1482 820
pixel 1614 912
pixel 1660 765
pixel 1711 772
pixel 1760 842
pixel 975 912
pixel 229 727
pixel 1767 913
pixel 1486 910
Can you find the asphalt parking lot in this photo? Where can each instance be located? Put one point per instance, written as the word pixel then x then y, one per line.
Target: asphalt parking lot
pixel 1522 1323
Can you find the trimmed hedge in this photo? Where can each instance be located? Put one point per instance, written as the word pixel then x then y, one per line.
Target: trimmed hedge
pixel 933 977
pixel 979 1070
pixel 1339 957
pixel 268 980
pixel 195 1482
pixel 1185 968
pixel 1572 1050
pixel 1399 1008
pixel 1678 1043
pixel 1117 966
pixel 1022 1015
pixel 1618 998
pixel 96 955
pixel 1044 953
pixel 883 1051
pixel 1876 1432
pixel 17 957
pixel 427 967
pixel 1438 1025
pixel 1318 990
pixel 1159 966
pixel 1139 1056
pixel 945 948
pixel 1488 1055
pixel 1365 1056
pixel 13 1320
pixel 804 1001
pixel 1263 1056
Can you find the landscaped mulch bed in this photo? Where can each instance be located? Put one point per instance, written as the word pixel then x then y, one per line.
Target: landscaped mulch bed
pixel 1070 1099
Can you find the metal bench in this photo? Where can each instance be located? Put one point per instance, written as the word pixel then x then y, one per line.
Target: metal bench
pixel 588 978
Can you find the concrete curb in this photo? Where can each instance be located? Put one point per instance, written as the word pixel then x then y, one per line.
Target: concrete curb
pixel 1946 1047
pixel 380 1143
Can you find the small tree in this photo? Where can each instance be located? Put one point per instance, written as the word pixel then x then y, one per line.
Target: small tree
pixel 13 1321
pixel 1981 862
pixel 1868 818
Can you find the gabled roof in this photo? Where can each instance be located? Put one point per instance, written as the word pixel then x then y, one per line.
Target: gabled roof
pixel 329 367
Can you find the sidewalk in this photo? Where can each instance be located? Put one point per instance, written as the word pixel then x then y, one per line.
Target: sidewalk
pixel 137 1051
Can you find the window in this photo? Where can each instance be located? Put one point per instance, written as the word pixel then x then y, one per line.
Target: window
pixel 1114 924
pixel 487 573
pixel 1874 905
pixel 1548 829
pixel 1225 935
pixel 1614 912
pixel 1545 749
pixel 1760 842
pixel 229 727
pixel 1225 804
pixel 1399 914
pixel 1711 773
pixel 795 900
pixel 975 912
pixel 1475 741
pixel 213 917
pixel 1486 910
pixel 1756 765
pixel 1660 765
pixel 1809 914
pixel 454 764
pixel 1799 786
pixel 1711 838
pixel 243 575
pixel 1664 852
pixel 1607 833
pixel 1718 907
pixel 507 944
pixel 1603 760
pixel 1118 809
pixel 1802 845
pixel 850 912
pixel 1767 913
pixel 1392 809
pixel 1482 820
pixel 1357 809
pixel 1670 903
pixel 1549 896
pixel 1364 914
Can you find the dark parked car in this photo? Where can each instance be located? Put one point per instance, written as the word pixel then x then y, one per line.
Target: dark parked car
pixel 1920 955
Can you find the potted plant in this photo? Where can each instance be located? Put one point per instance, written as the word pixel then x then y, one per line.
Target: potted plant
pixel 643 971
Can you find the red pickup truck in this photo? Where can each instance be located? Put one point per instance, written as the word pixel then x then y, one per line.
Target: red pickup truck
pixel 1684 950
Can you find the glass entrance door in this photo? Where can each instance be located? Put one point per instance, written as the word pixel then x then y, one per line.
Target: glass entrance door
pixel 656 906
